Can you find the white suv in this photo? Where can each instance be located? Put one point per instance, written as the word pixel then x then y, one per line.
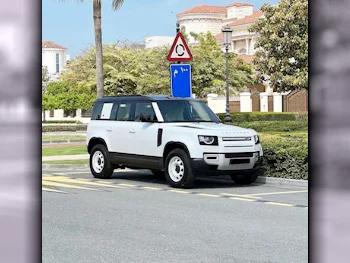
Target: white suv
pixel 176 137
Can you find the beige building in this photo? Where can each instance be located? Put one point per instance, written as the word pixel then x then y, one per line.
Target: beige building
pixel 238 16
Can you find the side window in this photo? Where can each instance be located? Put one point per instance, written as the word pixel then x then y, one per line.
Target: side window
pixel 124 111
pixel 144 107
pixel 114 111
pixel 96 112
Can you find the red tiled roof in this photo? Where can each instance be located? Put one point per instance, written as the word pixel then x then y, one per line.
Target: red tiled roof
pixel 50 44
pixel 248 19
pixel 239 4
pixel 200 9
pixel 246 58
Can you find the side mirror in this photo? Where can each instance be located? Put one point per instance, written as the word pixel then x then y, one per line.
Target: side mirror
pixel 144 117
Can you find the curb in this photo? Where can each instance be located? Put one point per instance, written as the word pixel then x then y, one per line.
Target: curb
pixel 62 141
pixel 282 181
pixel 65 166
pixel 260 180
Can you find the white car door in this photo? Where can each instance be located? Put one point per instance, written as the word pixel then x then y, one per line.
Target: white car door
pixel 144 134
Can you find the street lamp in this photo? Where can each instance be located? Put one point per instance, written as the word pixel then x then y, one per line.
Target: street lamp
pixel 227 32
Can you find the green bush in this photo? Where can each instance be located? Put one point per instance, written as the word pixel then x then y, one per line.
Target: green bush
pixel 64 128
pixel 59 122
pixel 275 126
pixel 266 116
pixel 285 155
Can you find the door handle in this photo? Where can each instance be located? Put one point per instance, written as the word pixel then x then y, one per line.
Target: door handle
pixel 109 129
pixel 132 131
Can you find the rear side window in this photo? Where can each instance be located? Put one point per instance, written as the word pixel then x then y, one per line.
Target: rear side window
pixel 124 111
pixel 96 112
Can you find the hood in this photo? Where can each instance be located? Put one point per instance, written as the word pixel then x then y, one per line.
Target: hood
pixel 219 129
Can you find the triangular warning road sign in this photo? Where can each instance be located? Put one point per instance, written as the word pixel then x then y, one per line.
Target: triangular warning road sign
pixel 179 50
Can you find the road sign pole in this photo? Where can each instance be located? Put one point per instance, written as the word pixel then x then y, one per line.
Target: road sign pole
pixel 178 31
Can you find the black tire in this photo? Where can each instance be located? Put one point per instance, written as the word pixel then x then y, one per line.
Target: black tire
pixel 108 167
pixel 188 178
pixel 158 174
pixel 246 178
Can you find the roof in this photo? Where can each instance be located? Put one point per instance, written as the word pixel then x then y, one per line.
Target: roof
pixel 140 98
pixel 248 19
pixel 200 9
pixel 246 58
pixel 239 4
pixel 50 44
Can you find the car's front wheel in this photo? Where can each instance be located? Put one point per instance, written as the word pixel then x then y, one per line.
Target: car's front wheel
pixel 246 178
pixel 178 170
pixel 100 166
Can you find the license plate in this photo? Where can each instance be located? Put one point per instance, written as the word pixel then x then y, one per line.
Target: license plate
pixel 239 161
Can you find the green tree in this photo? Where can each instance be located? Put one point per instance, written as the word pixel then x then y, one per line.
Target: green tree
pixel 97 6
pixel 209 68
pixel 61 95
pixel 45 78
pixel 282 48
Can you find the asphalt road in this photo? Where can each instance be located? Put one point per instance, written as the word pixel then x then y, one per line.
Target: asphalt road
pixel 134 217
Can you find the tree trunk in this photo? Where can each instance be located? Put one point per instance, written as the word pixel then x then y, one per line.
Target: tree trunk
pixel 98 45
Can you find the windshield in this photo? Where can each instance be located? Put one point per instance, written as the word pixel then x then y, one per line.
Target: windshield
pixel 186 111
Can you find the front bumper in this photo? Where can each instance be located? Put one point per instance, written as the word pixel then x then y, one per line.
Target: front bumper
pixel 227 163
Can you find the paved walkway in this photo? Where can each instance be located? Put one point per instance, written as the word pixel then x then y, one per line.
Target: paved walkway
pixel 66 157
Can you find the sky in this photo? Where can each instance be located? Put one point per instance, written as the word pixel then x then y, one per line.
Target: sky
pixel 70 24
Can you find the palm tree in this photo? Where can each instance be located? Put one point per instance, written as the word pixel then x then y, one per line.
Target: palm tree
pixel 97 4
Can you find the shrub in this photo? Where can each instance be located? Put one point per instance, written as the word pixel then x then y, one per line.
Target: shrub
pixel 275 126
pixel 285 155
pixel 266 116
pixel 63 128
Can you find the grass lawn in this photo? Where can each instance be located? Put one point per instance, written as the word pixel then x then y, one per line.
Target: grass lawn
pixel 62 137
pixel 67 162
pixel 64 150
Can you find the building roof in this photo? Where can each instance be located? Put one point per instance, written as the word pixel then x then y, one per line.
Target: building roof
pixel 239 4
pixel 200 9
pixel 248 19
pixel 50 44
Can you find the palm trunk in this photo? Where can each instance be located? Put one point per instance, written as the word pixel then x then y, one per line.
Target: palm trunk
pixel 98 44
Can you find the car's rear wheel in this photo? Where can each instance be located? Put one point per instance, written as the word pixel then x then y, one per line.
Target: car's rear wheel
pixel 178 170
pixel 100 166
pixel 246 178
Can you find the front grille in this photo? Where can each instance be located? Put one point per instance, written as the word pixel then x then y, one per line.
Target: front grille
pixel 236 139
pixel 238 155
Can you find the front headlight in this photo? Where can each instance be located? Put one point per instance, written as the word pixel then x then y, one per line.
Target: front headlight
pixel 256 139
pixel 207 140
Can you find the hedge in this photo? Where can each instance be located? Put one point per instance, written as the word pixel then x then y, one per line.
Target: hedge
pixel 64 128
pixel 266 116
pixel 274 126
pixel 60 122
pixel 285 155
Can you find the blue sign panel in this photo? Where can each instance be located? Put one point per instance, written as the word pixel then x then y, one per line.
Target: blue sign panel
pixel 181 80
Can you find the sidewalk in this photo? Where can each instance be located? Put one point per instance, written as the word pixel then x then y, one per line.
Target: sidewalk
pixel 66 157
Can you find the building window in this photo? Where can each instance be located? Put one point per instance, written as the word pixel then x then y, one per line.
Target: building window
pixel 242 51
pixel 52 113
pixel 86 113
pixel 57 63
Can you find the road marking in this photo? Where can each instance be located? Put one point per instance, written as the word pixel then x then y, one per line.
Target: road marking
pixel 242 199
pixel 151 188
pixel 178 191
pixel 127 185
pixel 240 196
pixel 209 195
pixel 48 183
pixel 63 179
pixel 68 173
pixel 280 204
pixel 277 193
pixel 52 190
